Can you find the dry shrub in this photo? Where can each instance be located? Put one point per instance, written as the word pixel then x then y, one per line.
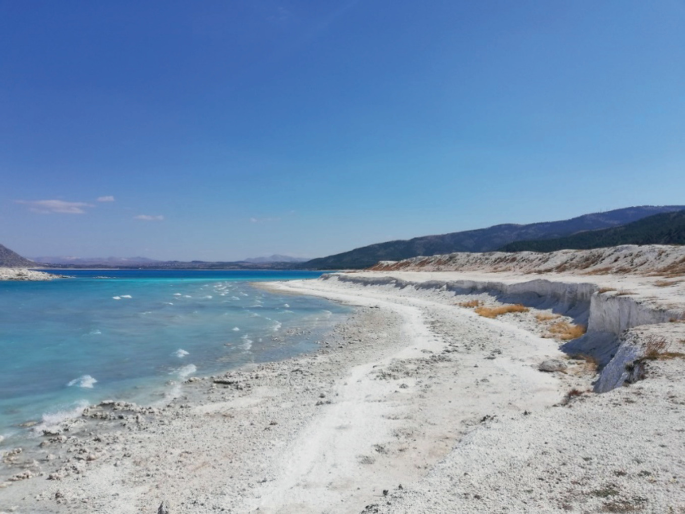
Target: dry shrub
pixel 566 331
pixel 493 312
pixel 545 316
pixel 573 393
pixel 623 292
pixel 656 349
pixel 603 290
pixel 471 304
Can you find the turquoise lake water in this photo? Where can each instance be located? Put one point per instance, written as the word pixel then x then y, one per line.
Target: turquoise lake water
pixel 138 334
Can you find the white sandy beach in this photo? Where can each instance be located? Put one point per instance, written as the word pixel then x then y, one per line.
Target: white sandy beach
pixel 415 404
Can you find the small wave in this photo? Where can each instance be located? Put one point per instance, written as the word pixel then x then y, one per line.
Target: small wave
pixel 169 303
pixel 247 344
pixel 178 294
pixel 209 296
pixel 236 329
pixel 126 296
pixel 286 305
pixel 328 314
pixel 234 298
pixel 185 371
pixel 83 381
pixel 51 419
pixel 187 296
pixel 277 326
pixel 116 297
pixel 94 332
pixel 180 353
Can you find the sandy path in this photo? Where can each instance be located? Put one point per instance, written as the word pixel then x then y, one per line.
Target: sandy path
pixel 330 465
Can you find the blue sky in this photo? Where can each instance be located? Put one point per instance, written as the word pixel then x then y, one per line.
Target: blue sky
pixel 221 130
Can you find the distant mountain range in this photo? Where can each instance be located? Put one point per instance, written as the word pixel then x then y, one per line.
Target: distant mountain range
pixel 483 240
pixel 85 261
pixel 10 259
pixel 632 225
pixel 667 229
pixel 274 258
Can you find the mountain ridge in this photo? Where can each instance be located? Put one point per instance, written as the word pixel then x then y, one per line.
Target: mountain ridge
pixel 664 229
pixel 483 240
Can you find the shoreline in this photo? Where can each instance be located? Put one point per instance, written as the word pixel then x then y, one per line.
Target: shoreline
pixel 412 390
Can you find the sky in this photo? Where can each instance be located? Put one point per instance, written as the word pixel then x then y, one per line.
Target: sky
pixel 220 130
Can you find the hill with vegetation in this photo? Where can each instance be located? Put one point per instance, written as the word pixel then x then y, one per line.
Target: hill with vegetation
pixel 665 229
pixel 483 240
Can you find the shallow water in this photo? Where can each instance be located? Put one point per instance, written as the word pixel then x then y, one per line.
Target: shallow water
pixel 136 335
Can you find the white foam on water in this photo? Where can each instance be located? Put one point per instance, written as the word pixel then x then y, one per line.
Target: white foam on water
pixel 234 298
pixel 247 343
pixel 126 296
pixel 236 329
pixel 169 303
pixel 277 326
pixel 328 314
pixel 289 312
pixel 52 419
pixel 180 353
pixel 83 381
pixel 116 297
pixel 209 296
pixel 94 332
pixel 187 296
pixel 178 294
pixel 185 371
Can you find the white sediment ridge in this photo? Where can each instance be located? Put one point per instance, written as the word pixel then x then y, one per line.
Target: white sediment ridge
pixel 25 274
pixel 415 404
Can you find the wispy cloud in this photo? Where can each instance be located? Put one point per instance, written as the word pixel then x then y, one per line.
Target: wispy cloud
pixel 106 199
pixel 56 206
pixel 147 217
pixel 263 220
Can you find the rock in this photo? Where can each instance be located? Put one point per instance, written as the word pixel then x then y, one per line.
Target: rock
pixel 163 508
pixel 552 365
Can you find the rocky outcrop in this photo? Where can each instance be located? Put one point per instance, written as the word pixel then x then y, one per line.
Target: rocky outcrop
pixel 22 274
pixel 10 259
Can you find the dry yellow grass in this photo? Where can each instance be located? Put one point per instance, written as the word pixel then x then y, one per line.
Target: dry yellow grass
pixel 493 312
pixel 666 283
pixel 591 364
pixel 545 316
pixel 606 290
pixel 470 305
pixel 566 331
